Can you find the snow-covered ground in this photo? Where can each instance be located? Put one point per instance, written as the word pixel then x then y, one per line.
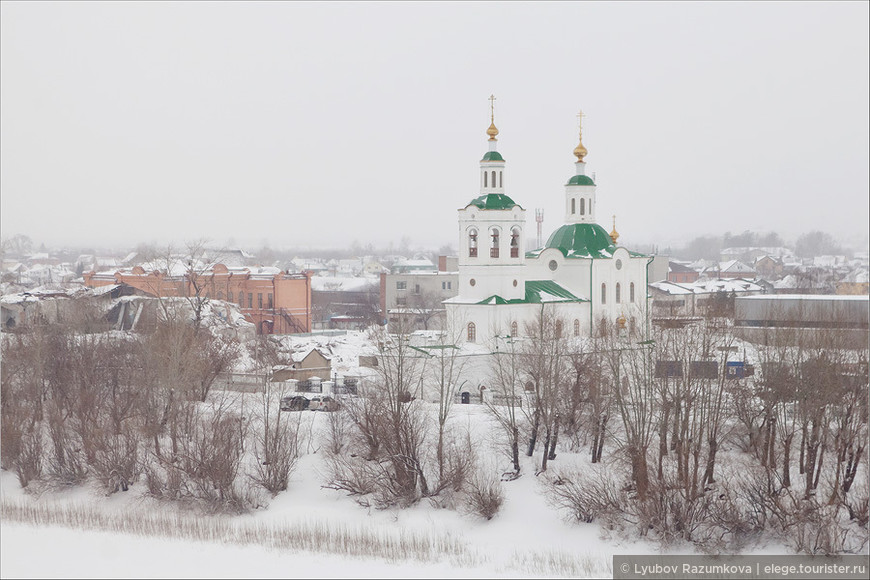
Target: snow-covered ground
pixel 527 538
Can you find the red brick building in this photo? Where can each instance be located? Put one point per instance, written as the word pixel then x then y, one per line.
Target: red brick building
pixel 276 302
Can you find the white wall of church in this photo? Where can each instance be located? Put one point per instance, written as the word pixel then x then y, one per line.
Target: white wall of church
pixel 605 273
pixel 492 321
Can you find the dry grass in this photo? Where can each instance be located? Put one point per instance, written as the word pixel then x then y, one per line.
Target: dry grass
pixel 323 537
pixel 360 541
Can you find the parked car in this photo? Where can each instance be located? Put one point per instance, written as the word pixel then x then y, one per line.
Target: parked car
pixel 294 403
pixel 323 404
pixel 329 404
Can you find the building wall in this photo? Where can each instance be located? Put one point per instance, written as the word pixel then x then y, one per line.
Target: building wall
pixel 289 311
pixel 421 290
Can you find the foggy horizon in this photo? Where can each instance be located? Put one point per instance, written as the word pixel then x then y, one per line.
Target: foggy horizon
pixel 319 125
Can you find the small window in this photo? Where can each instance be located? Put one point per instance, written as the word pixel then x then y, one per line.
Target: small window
pixel 558 329
pixel 582 206
pixel 449 284
pixel 220 295
pixel 631 292
pixel 250 300
pixel 416 288
pixel 573 206
pixel 444 285
pixel 603 293
pixel 618 294
pixel 485 180
pixel 401 300
pixel 576 327
pixel 493 178
pixel 241 299
pixel 260 300
pixel 472 332
pixel 269 301
pixel 401 285
pixel 513 329
pixel 500 182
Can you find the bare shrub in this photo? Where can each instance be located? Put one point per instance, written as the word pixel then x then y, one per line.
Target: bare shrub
pixel 28 462
pixel 585 496
pixel 207 463
pixel 66 464
pixel 117 464
pixel 485 494
pixel 276 446
pixel 338 431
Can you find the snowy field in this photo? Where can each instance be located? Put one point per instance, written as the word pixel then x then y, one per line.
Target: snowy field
pixel 311 531
pixel 526 539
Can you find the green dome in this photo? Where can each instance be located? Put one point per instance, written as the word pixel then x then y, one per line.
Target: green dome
pixel 580 180
pixel 494 201
pixel 492 156
pixel 582 241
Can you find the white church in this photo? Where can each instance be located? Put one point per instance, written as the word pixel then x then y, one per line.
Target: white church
pixel 580 274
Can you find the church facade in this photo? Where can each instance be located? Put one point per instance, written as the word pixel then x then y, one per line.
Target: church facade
pixel 581 275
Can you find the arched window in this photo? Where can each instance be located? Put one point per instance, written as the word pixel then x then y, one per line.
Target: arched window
pixel 558 329
pixel 485 175
pixel 582 206
pixel 573 203
pixel 493 178
pixel 514 329
pixel 515 242
pixel 500 179
pixel 493 249
pixel 603 293
pixel 631 292
pixel 472 332
pixel 618 293
pixel 590 206
pixel 472 243
pixel 576 327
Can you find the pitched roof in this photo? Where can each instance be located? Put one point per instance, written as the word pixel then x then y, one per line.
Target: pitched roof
pixel 537 292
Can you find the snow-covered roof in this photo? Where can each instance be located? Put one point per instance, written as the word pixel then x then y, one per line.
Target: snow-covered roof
pixel 707 286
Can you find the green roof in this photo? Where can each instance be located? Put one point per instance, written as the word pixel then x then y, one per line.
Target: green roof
pixel 492 156
pixel 582 241
pixel 537 291
pixel 580 180
pixel 493 201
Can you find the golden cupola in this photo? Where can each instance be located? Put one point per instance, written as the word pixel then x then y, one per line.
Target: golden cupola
pixel 614 235
pixel 493 130
pixel 580 151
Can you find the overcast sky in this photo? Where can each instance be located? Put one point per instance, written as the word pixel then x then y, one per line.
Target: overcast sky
pixel 321 124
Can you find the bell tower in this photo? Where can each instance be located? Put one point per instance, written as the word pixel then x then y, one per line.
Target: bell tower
pixel 492 232
pixel 580 190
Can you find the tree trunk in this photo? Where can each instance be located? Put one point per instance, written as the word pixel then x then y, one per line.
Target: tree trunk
pixel 546 454
pixel 786 461
pixel 711 461
pixel 552 453
pixel 515 450
pixel 601 436
pixel 639 471
pixel 852 468
pixel 533 440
